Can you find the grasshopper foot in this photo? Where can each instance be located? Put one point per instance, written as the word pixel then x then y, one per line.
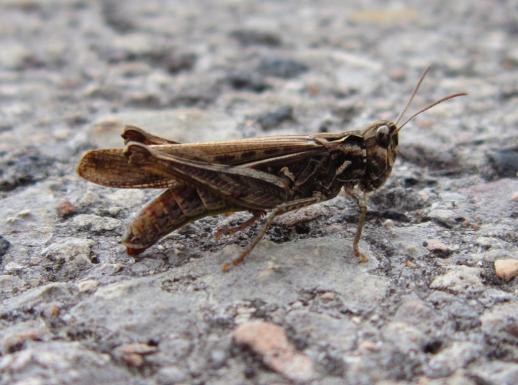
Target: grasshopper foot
pixel 362 258
pixel 227 266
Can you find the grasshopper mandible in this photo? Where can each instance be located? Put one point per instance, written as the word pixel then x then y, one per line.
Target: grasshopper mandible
pixel 278 173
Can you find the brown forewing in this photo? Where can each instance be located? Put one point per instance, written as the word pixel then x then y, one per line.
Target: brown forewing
pixel 110 167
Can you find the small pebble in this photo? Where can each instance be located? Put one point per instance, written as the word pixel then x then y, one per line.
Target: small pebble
pixel 88 285
pixel 133 354
pixel 218 357
pixel 409 263
pixel 443 217
pixel 270 342
pixel 25 213
pixel 4 246
pixel 52 311
pixel 135 360
pixel 437 247
pixel 397 74
pixel 138 348
pixel 388 224
pixel 365 347
pixel 243 314
pixel 65 209
pixel 504 162
pixel 328 296
pixel 506 269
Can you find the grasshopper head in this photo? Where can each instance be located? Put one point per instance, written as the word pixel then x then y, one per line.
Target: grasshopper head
pixel 381 141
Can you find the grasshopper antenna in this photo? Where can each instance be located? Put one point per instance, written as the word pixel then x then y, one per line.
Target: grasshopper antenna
pixel 413 95
pixel 430 106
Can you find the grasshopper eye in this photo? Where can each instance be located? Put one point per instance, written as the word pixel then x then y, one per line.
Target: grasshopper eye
pixel 382 135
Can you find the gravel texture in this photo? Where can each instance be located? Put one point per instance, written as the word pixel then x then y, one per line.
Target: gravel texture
pixel 428 307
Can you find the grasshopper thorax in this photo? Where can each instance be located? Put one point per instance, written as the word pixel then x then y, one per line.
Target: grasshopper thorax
pixel 380 141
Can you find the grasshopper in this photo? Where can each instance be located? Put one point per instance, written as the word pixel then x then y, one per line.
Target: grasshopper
pixel 276 174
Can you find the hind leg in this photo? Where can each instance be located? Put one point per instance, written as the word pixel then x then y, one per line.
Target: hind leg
pixel 136 134
pixel 279 210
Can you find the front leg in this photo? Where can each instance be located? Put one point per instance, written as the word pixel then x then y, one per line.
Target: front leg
pixel 361 198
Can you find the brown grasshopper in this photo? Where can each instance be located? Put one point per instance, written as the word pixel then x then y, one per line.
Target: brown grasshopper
pixel 278 173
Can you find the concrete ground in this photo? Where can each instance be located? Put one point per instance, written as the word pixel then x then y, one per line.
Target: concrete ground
pixel 435 304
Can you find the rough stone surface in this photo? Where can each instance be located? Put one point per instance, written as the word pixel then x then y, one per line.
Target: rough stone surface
pixel 459 279
pixel 428 308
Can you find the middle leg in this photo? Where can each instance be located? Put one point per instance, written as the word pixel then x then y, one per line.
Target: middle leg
pixel 228 230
